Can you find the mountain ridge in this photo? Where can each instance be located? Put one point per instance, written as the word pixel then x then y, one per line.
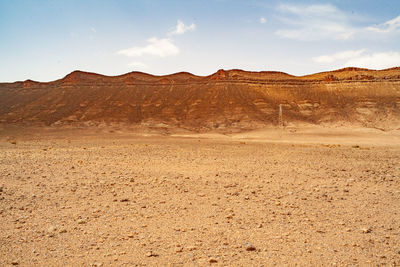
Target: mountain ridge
pixel 139 73
pixel 226 99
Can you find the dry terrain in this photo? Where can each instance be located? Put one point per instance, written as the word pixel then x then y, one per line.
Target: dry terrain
pixel 227 101
pixel 273 197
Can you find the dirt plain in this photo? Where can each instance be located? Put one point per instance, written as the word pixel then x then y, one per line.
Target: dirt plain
pixel 263 198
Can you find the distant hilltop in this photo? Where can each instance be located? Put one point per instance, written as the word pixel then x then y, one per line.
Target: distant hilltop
pixel 227 99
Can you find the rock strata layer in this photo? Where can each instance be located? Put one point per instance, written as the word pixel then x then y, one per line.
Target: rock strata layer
pixel 225 99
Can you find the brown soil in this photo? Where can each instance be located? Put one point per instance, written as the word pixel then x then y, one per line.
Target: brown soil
pixel 272 197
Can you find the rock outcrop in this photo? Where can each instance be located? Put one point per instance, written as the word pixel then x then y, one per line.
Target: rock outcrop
pixel 233 98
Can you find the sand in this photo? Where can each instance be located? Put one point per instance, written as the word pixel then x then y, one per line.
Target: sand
pixel 271 197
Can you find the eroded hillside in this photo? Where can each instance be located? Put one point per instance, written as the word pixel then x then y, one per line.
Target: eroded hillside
pixel 234 98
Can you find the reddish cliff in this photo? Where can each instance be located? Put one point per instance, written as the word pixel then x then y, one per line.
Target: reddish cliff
pixel 233 98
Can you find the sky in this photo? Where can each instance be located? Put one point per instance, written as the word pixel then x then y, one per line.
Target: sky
pixel 44 40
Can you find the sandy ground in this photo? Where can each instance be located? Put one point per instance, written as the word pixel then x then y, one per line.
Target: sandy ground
pixel 251 199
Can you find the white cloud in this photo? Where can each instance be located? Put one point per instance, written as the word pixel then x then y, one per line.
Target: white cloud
pixel 381 60
pixel 138 64
pixel 156 47
pixel 388 26
pixel 262 20
pixel 338 56
pixel 314 22
pixel 93 29
pixel 359 58
pixel 181 28
pixel 161 47
pixel 312 10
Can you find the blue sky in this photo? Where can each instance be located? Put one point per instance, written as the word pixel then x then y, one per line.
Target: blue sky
pixel 45 40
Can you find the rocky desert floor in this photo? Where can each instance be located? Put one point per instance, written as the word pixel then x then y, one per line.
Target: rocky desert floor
pixel 119 199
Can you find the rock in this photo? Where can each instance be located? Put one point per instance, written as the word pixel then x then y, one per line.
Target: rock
pixel 212 260
pixel 191 248
pixel 14 262
pixel 151 254
pixel 51 229
pixel 81 221
pixel 124 200
pixel 249 247
pixel 366 230
pixel 97 264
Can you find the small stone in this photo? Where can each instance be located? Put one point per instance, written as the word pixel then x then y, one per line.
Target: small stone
pixel 212 260
pixel 277 203
pixel 124 200
pixel 191 248
pixel 249 247
pixel 63 231
pixel 151 254
pixel 81 221
pixel 366 230
pixel 97 264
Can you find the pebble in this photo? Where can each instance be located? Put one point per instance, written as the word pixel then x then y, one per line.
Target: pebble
pixel 151 254
pixel 212 260
pixel 14 262
pixel 366 230
pixel 249 247
pixel 51 229
pixel 191 248
pixel 81 221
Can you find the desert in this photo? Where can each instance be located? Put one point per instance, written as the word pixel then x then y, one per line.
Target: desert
pixel 133 197
pixel 199 133
pixel 232 169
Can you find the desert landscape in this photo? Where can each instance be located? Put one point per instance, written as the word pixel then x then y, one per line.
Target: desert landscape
pixel 101 197
pixel 232 169
pixel 199 133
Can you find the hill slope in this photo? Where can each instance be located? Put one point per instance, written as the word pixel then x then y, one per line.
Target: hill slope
pixel 233 98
